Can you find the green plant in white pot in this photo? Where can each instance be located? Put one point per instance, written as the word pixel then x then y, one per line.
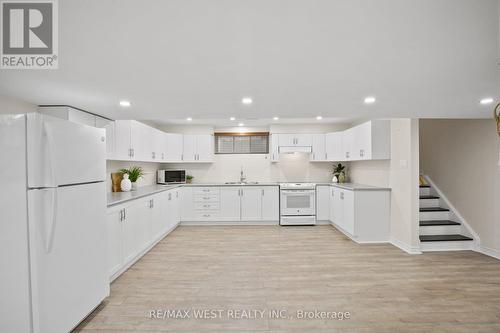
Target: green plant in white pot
pixel 134 173
pixel 339 173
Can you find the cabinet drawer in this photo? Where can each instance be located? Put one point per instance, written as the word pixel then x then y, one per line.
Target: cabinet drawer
pixel 206 190
pixel 206 205
pixel 206 215
pixel 206 198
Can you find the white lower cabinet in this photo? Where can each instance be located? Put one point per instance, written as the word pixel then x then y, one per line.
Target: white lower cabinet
pixel 251 203
pixel 230 204
pixel 323 202
pixel 363 215
pixel 135 226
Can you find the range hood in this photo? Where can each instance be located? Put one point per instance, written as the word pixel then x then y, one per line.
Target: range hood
pixel 294 149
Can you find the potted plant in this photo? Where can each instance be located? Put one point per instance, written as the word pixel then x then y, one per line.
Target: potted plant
pixel 339 173
pixel 189 179
pixel 134 173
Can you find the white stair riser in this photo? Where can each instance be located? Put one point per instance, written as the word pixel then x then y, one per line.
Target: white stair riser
pixel 425 191
pixel 447 246
pixel 441 230
pixel 429 202
pixel 427 216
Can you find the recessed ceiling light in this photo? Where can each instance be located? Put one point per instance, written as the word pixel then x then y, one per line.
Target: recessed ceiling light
pixel 241 124
pixel 370 100
pixel 189 118
pixel 488 100
pixel 319 118
pixel 276 118
pixel 232 118
pixel 246 100
pixel 125 104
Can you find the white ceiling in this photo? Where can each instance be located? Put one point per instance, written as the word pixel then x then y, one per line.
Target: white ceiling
pixel 296 59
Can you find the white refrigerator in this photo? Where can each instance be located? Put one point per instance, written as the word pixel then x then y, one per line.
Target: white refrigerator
pixel 53 233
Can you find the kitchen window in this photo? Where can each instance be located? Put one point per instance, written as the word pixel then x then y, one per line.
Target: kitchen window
pixel 242 143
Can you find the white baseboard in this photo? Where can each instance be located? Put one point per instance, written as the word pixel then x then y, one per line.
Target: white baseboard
pixel 220 223
pixel 488 251
pixel 405 247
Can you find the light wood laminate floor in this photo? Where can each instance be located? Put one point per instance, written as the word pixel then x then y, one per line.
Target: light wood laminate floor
pixel 300 268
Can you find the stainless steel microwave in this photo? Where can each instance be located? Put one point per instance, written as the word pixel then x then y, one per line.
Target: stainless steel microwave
pixel 171 176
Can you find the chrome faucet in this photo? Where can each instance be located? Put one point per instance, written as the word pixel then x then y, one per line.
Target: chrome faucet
pixel 242 176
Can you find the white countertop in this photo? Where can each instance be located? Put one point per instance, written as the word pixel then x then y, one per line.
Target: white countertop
pixel 116 198
pixel 356 186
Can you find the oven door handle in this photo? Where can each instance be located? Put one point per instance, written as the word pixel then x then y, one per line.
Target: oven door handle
pixel 297 192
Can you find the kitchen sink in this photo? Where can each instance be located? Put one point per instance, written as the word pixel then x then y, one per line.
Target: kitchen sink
pixel 241 183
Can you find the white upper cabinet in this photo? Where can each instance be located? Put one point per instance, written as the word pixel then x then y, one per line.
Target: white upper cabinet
pixel 372 141
pixel 123 149
pixel 318 147
pixel 348 137
pixel 295 140
pixel 205 147
pixel 173 146
pixel 141 137
pixel 334 151
pixel 109 126
pixel 189 148
pixel 198 148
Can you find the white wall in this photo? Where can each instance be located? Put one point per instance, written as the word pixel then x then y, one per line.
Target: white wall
pixel 10 105
pixel 462 158
pixel 400 173
pixel 257 167
pixel 149 169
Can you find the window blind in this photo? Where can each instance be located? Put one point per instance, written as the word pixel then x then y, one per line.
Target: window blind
pixel 242 143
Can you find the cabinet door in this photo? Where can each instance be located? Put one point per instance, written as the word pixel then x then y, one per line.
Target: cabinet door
pixel 334 151
pixel 158 145
pixel 286 140
pixel 189 148
pixel 109 126
pixel 270 203
pixel 173 147
pixel 230 203
pixel 273 149
pixel 318 147
pixel 251 203
pixel 303 140
pixel 205 148
pixel 159 222
pixel 122 140
pixel 114 228
pixel 339 207
pixel 136 228
pixel 348 211
pixel 347 144
pixel 332 204
pixel 323 198
pixel 362 141
pixel 187 204
pixel 141 138
pixel 176 195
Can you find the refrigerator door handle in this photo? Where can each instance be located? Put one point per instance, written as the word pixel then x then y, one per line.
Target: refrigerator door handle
pixel 53 221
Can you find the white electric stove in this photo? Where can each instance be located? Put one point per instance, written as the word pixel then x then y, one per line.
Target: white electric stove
pixel 298 204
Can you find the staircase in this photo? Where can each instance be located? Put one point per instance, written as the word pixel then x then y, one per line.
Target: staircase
pixel 439 228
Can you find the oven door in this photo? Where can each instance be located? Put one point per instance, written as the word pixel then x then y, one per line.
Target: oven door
pixel 298 202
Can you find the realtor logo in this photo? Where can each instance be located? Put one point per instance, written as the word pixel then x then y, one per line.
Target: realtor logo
pixel 29 34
